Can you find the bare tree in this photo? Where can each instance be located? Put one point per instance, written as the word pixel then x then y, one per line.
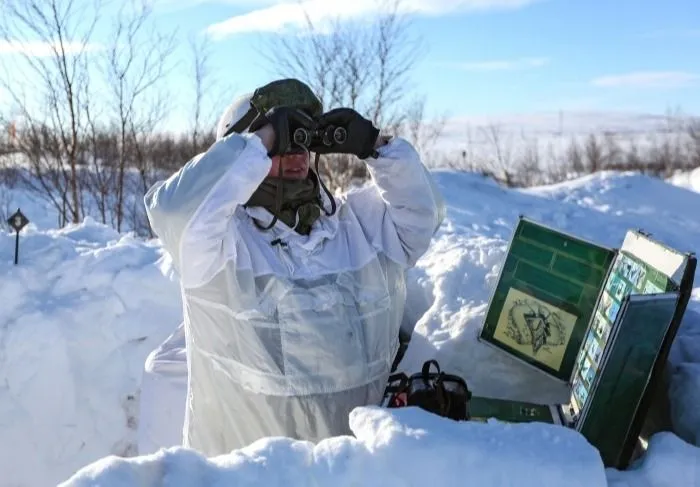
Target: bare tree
pixel 594 154
pixel 136 63
pixel 558 167
pixel 206 97
pixel 693 145
pixel 364 65
pixel 632 157
pixel 7 138
pixel 8 180
pixel 396 53
pixel 102 150
pixel 614 155
pixel 530 165
pixel 52 39
pixel 422 134
pixel 500 163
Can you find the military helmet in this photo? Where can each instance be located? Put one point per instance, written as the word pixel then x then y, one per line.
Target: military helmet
pixel 240 115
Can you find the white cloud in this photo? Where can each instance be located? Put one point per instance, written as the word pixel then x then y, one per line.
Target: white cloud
pixel 648 79
pixel 179 5
pixel 290 14
pixel 41 49
pixel 502 65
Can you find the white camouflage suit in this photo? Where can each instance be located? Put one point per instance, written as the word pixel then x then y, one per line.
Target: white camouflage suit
pixel 285 340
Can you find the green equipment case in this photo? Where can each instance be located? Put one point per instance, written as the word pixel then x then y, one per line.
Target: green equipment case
pixel 600 319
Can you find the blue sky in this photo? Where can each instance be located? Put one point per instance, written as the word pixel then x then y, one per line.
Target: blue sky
pixel 493 57
pixel 640 56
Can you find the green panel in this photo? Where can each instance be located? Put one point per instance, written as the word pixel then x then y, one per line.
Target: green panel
pixel 618 388
pixel 574 270
pixel 484 408
pixel 545 297
pixel 545 280
pixel 533 253
pixel 589 298
pixel 549 238
pixel 629 276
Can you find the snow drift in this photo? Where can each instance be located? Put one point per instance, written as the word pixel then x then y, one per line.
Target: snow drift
pixel 403 448
pixel 81 312
pixel 86 305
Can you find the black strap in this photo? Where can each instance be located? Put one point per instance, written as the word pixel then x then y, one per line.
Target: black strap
pixel 426 368
pixel 425 372
pixel 435 383
pixel 444 399
pixel 243 123
pixel 325 189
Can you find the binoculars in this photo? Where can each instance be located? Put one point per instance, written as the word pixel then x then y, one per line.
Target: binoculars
pixel 327 136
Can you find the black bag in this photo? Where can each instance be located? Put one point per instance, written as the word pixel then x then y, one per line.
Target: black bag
pixel 440 393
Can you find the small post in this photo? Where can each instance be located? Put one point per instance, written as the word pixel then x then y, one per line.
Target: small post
pixel 17 221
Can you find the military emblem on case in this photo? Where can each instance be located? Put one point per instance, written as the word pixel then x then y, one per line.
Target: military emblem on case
pixel 531 323
pixel 535 328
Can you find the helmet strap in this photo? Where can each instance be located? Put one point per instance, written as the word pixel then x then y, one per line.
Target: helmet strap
pixel 243 123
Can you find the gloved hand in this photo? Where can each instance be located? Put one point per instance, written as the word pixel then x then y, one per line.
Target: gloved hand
pixel 284 121
pixel 361 133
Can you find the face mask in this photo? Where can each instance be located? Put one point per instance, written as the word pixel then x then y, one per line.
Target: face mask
pixel 286 199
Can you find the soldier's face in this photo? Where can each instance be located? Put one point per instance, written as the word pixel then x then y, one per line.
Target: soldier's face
pixel 293 166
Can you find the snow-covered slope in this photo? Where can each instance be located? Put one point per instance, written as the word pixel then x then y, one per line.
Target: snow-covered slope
pixel 80 313
pixel 404 448
pixel 86 305
pixel 689 179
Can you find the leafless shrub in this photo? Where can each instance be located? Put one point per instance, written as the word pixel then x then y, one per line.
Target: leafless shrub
pixel 528 161
pixel 693 145
pixel 56 82
pixel 365 66
pixel 500 161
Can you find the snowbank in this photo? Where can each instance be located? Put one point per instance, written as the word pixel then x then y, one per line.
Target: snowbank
pixel 669 462
pixel 455 279
pixel 689 180
pixel 80 313
pixel 86 305
pixel 401 448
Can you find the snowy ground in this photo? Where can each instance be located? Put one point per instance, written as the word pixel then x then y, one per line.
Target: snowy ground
pixel 689 180
pixel 549 134
pixel 86 305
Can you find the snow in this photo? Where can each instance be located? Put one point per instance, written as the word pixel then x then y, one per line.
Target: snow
pixel 86 305
pixel 549 134
pixel 689 179
pixel 669 462
pixel 403 448
pixel 80 313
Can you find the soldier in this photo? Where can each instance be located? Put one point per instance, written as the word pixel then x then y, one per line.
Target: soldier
pixel 292 297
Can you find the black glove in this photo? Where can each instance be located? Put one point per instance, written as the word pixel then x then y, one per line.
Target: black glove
pixel 284 120
pixel 361 133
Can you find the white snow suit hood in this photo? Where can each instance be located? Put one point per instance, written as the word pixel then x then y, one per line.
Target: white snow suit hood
pixel 287 333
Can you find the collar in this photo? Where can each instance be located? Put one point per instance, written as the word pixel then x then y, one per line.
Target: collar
pixel 325 227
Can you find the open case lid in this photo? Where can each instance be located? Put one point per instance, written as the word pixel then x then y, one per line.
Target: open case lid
pixel 611 394
pixel 680 268
pixel 545 296
pixel 666 260
pixel 620 366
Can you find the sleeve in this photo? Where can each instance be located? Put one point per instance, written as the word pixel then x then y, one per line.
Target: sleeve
pixel 401 209
pixel 191 210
